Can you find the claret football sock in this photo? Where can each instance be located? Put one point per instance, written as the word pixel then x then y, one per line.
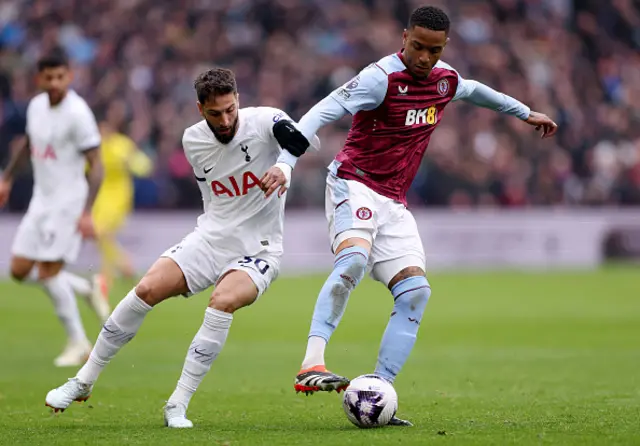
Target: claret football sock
pixel 120 328
pixel 204 349
pixel 410 299
pixel 348 271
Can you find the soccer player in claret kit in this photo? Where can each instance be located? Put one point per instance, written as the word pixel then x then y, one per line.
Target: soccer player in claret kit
pixel 62 139
pixel 236 245
pixel 396 104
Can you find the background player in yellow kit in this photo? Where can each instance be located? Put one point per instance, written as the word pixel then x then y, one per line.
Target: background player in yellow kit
pixel 122 159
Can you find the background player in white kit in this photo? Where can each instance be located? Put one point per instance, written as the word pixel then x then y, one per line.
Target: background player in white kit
pixel 236 245
pixel 62 137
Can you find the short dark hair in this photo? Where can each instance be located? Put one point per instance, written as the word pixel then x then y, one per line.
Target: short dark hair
pixel 53 59
pixel 430 17
pixel 214 82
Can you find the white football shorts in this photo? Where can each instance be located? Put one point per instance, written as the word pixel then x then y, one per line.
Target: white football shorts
pixel 203 264
pixel 48 235
pixel 354 210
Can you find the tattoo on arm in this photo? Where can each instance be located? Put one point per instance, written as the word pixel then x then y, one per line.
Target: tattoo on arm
pixel 17 161
pixel 94 176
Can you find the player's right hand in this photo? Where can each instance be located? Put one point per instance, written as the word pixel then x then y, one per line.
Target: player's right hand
pixel 542 122
pixel 275 178
pixel 5 190
pixel 86 227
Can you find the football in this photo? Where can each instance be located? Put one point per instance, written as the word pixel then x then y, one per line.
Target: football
pixel 370 401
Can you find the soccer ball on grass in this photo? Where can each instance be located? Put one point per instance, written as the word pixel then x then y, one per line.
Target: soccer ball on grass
pixel 370 401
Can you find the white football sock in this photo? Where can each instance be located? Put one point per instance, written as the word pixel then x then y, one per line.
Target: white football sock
pixel 64 302
pixel 315 352
pixel 204 349
pixel 79 284
pixel 120 328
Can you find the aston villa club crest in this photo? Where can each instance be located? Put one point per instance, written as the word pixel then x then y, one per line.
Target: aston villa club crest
pixel 443 87
pixel 364 213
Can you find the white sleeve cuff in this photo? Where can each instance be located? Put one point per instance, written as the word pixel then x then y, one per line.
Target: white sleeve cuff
pixel 287 158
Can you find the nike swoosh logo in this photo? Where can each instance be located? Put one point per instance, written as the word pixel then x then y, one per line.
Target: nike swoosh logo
pixel 208 170
pixel 201 353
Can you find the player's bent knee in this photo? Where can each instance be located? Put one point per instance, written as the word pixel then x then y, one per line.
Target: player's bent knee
pixel 233 291
pixel 144 289
pixel 349 269
pixel 19 274
pixel 227 302
pixel 361 238
pixel 21 268
pixel 47 270
pixel 357 266
pixel 417 298
pixel 150 291
pixel 222 302
pixel 411 297
pixel 163 280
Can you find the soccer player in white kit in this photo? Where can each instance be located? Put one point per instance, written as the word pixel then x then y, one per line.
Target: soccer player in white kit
pixel 235 246
pixel 62 138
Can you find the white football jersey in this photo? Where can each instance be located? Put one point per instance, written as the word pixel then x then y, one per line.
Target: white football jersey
pixel 58 137
pixel 238 218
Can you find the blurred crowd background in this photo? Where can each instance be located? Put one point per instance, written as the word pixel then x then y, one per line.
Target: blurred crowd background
pixel 135 61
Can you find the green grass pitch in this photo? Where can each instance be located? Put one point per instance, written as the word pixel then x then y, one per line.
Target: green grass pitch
pixel 502 358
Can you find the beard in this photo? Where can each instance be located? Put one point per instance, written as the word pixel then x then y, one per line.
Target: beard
pixel 226 137
pixel 55 96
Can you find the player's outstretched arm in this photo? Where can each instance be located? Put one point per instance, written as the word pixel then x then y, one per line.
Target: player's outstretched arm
pixel 294 140
pixel 481 95
pixel 324 112
pixel 18 159
pixel 366 91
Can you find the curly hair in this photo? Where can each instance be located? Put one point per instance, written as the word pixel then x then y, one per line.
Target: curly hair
pixel 215 82
pixel 53 59
pixel 430 17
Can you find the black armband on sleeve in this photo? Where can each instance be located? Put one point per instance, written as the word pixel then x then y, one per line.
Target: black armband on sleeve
pixel 290 138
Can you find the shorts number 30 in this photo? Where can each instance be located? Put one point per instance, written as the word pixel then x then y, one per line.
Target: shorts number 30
pixel 261 264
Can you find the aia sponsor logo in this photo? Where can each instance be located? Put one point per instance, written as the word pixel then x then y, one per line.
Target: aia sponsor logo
pixel 233 187
pixel 364 213
pixel 47 154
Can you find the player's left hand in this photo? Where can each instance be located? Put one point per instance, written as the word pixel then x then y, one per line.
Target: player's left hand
pixel 273 179
pixel 542 121
pixel 85 226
